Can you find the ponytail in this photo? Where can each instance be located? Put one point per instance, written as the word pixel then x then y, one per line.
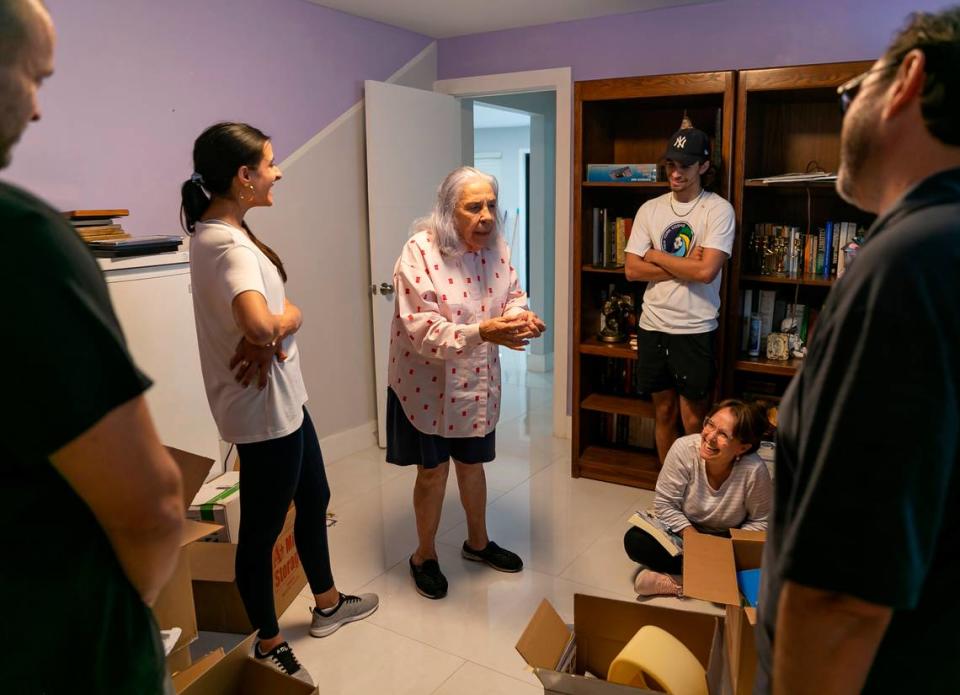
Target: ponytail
pixel 267 251
pixel 193 202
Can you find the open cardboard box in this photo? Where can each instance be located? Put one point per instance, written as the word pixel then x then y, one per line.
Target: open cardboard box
pixel 175 605
pixel 560 656
pixel 710 566
pixel 219 607
pixel 235 673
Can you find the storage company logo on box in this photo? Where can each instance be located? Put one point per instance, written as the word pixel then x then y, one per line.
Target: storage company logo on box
pixel 285 559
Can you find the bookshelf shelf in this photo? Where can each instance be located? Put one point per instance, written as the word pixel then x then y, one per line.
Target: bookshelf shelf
pixel 598 269
pixel 626 120
pixel 593 346
pixel 761 365
pixel 791 184
pixel 634 467
pixel 630 184
pixel 618 405
pixel 805 279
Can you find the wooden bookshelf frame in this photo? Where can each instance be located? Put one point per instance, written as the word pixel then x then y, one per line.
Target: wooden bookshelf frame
pixel 820 143
pixel 649 95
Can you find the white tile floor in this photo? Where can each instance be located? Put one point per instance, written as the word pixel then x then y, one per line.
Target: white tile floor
pixel 567 531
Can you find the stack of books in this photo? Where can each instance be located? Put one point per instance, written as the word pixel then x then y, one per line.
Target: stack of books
pixel 98 225
pixel 107 239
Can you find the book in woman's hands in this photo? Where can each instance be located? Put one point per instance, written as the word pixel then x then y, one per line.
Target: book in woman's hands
pixel 646 521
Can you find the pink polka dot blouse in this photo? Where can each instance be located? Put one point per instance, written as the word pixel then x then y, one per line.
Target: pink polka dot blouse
pixel 446 377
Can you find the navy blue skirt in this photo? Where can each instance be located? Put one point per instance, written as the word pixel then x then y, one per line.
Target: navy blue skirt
pixel 408 446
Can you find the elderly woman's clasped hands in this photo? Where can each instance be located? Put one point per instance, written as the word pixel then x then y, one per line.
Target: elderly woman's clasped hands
pixel 514 331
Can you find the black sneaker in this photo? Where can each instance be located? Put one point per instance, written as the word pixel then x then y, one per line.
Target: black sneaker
pixel 428 579
pixel 281 658
pixel 498 558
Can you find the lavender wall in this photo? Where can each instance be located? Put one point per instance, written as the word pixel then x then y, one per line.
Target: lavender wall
pixel 729 34
pixel 137 80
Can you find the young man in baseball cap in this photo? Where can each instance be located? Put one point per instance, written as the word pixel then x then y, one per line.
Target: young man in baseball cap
pixel 679 244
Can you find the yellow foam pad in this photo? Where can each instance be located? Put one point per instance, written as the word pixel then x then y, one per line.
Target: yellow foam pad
pixel 653 654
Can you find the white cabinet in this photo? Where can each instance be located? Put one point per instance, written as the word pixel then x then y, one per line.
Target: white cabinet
pixel 151 296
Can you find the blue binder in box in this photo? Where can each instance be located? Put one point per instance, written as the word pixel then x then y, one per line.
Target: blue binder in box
pixel 621 173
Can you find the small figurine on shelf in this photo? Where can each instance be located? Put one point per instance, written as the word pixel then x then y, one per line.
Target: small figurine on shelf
pixel 617 315
pixel 790 328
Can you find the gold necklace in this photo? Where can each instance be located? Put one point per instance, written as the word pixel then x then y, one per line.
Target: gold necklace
pixel 692 206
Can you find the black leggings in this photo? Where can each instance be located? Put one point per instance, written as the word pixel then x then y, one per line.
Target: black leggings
pixel 272 473
pixel 646 550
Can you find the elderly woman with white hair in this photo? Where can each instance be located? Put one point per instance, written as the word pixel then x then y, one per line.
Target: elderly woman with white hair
pixel 457 300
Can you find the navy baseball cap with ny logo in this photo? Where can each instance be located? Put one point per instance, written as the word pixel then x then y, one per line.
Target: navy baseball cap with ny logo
pixel 688 146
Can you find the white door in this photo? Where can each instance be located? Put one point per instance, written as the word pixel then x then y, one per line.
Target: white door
pixel 413 142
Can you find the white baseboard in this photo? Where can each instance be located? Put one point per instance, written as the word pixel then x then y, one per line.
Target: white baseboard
pixel 539 363
pixel 340 444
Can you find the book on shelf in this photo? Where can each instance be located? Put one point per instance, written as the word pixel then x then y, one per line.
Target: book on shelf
pixel 795 178
pixel 747 304
pixel 621 173
pixel 101 214
pixel 659 531
pixel 597 238
pixel 827 249
pixel 766 306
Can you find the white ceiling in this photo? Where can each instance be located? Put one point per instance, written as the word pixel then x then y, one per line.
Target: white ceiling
pixel 445 18
pixel 485 116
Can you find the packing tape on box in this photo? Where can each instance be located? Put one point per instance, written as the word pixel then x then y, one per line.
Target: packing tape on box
pixel 653 654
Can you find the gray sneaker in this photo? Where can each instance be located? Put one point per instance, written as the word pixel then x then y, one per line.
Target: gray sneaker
pixel 349 608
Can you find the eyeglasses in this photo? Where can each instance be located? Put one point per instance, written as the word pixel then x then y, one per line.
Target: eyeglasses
pixel 710 428
pixel 847 92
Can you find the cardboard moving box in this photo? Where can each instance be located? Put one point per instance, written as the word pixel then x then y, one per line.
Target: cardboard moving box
pixel 218 603
pixel 236 674
pixel 560 656
pixel 710 566
pixel 175 605
pixel 219 502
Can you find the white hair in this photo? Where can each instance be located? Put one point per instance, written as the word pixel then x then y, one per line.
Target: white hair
pixel 441 221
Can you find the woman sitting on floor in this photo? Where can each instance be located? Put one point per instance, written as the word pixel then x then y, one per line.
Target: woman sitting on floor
pixel 713 481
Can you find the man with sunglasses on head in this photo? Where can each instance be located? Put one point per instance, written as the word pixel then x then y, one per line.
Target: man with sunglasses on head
pixel 862 561
pixel 679 244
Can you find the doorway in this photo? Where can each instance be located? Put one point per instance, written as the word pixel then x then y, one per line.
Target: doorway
pixel 514 140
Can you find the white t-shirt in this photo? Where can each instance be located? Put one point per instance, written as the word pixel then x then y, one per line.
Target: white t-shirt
pixel 675 306
pixel 223 263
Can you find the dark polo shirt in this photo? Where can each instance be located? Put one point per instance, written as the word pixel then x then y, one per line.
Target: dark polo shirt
pixel 867 499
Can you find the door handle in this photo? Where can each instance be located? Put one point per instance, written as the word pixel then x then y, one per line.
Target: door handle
pixel 386 288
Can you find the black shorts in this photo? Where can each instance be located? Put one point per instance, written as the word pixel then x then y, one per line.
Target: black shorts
pixel 408 446
pixel 682 361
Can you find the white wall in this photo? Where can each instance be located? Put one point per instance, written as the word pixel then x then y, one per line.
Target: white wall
pixel 318 225
pixel 508 143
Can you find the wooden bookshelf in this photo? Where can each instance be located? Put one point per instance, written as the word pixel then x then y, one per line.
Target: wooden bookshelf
pixel 761 365
pixel 618 405
pixel 788 120
pixel 659 185
pixel 593 346
pixel 805 279
pixel 627 120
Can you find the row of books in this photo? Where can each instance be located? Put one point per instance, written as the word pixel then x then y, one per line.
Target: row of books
pixel 610 235
pixel 784 250
pixel 616 377
pixel 627 430
pixel 771 308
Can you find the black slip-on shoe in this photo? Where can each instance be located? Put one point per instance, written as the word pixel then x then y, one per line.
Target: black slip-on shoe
pixel 498 558
pixel 428 579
